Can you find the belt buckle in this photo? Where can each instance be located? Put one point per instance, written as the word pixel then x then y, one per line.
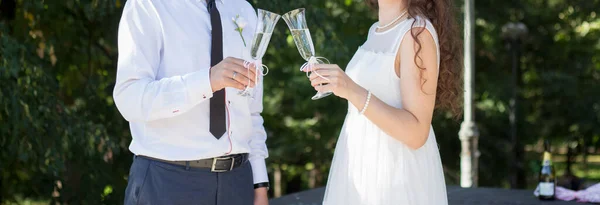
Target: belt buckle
pixel 216 159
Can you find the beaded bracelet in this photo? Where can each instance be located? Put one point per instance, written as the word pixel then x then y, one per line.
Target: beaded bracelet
pixel 366 103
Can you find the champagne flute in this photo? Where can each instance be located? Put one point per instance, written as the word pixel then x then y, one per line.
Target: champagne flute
pixel 264 28
pixel 296 21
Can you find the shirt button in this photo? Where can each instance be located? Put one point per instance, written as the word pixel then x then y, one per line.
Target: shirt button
pixel 204 96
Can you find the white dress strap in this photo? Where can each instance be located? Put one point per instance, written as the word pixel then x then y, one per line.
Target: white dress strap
pixel 388 42
pixel 418 22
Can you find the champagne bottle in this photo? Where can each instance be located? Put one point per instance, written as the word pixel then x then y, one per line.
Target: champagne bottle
pixel 547 183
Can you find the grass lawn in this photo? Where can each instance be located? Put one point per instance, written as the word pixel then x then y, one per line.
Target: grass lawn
pixel 592 174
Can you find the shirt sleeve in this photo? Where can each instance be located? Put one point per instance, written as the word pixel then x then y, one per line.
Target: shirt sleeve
pixel 138 94
pixel 258 146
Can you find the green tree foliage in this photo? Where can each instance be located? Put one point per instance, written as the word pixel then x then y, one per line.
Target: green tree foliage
pixel 63 139
pixel 560 78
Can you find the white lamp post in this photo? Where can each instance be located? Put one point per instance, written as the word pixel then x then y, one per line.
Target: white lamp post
pixel 469 134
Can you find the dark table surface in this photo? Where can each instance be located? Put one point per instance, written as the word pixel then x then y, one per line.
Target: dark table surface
pixel 456 196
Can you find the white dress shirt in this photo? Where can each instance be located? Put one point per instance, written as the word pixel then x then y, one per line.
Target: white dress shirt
pixel 163 86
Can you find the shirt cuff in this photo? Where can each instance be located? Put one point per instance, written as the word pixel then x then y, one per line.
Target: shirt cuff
pixel 198 85
pixel 259 170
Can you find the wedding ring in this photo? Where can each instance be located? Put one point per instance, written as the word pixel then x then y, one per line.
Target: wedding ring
pixel 234 74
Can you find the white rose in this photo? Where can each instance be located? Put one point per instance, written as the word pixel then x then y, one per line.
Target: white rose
pixel 241 22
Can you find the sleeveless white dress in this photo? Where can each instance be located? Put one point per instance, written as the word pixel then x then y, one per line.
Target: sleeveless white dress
pixel 369 167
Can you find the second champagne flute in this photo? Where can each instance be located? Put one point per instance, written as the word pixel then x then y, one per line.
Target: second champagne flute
pixel 296 21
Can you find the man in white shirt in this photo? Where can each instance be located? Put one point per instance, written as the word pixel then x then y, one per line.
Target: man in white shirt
pixel 195 140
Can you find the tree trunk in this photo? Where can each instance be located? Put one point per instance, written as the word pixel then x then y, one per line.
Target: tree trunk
pixel 7 13
pixel 312 178
pixel 319 177
pixel 570 157
pixel 277 184
pixel 584 149
pixel 1 191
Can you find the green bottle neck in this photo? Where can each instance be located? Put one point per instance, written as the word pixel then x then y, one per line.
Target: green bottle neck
pixel 547 160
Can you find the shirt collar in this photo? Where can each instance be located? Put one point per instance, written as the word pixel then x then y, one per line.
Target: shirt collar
pixel 219 1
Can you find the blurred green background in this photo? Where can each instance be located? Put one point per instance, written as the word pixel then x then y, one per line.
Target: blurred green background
pixel 63 141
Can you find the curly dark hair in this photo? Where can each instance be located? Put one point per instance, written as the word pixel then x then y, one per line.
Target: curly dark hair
pixel 441 14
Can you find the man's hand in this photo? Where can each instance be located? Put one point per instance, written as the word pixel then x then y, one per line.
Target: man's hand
pixel 231 73
pixel 260 196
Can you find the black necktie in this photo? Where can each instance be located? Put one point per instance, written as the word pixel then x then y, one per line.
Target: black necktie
pixel 217 102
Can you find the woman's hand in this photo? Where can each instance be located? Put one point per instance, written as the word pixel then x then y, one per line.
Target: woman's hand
pixel 337 81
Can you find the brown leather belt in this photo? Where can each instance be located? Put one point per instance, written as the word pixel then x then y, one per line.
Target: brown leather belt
pixel 217 164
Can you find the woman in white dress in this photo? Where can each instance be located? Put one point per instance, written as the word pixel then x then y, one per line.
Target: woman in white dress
pixel 409 65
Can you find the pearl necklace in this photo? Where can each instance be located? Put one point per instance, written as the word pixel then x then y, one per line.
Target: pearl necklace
pixel 394 21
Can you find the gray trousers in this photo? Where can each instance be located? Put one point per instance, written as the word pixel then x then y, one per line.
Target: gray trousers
pixel 153 182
